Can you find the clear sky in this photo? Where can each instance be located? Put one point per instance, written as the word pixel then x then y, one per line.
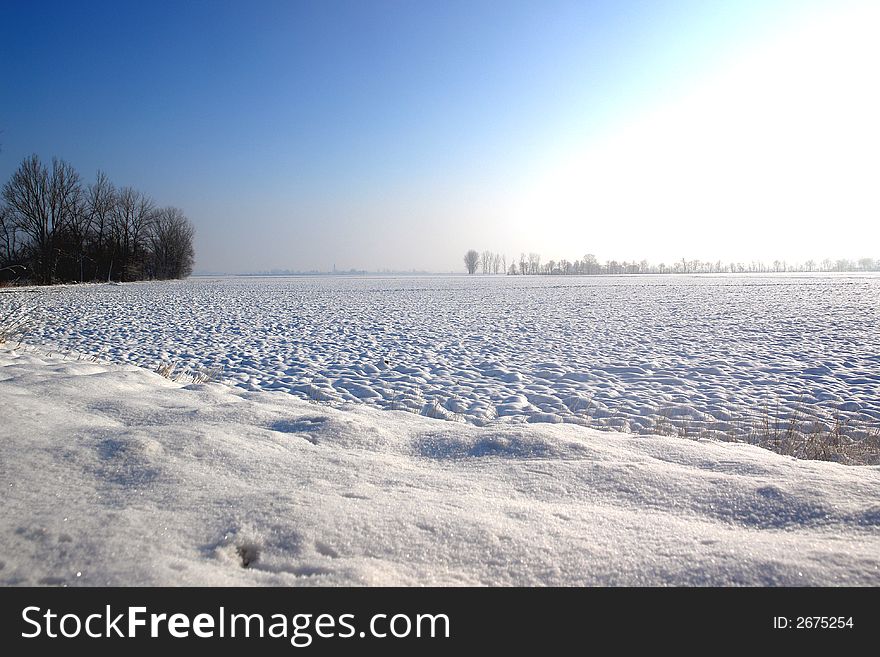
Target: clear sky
pixel 398 134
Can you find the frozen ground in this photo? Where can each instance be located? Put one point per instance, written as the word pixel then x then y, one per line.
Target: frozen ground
pixel 114 475
pixel 694 355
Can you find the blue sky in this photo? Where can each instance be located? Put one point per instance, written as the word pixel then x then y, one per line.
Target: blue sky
pixel 398 134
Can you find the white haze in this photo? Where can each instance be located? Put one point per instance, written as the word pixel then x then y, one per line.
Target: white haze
pixel 773 157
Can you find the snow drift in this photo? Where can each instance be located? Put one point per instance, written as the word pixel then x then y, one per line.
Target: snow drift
pixel 114 475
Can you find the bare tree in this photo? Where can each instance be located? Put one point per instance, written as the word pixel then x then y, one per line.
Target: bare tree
pixel 50 227
pixel 42 205
pixel 77 231
pixel 471 259
pixel 496 262
pixel 129 222
pixel 486 261
pixel 170 237
pixel 100 204
pixel 66 207
pixel 8 237
pixel 591 264
pixel 534 263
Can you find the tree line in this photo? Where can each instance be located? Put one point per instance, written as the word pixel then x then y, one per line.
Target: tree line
pixel 56 228
pixel 493 263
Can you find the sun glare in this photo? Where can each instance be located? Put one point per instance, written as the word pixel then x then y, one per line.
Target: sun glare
pixel 774 156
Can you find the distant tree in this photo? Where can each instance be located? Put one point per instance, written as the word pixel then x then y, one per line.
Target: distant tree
pixel 534 263
pixel 531 264
pixel 591 264
pixel 471 260
pixel 486 261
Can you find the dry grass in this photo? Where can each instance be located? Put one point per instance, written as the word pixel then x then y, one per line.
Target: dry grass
pixel 798 433
pixel 172 373
pixel 843 440
pixel 14 324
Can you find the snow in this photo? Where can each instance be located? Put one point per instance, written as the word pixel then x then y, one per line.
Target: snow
pixel 711 354
pixel 114 475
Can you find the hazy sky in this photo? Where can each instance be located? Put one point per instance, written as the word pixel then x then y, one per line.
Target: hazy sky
pixel 375 135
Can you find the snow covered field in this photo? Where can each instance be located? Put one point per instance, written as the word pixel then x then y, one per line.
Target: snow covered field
pixel 706 356
pixel 112 474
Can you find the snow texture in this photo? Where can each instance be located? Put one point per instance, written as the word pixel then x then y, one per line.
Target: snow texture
pixel 706 356
pixel 114 475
